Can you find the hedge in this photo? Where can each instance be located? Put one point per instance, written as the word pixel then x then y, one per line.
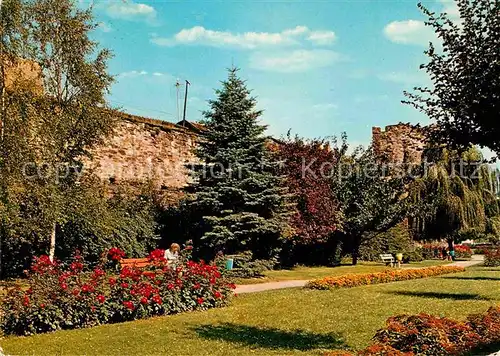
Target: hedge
pixel 355 280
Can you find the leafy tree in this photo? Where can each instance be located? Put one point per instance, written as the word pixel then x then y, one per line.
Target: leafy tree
pixel 47 136
pixel 465 97
pixel 241 200
pixel 308 168
pixel 370 200
pixel 457 194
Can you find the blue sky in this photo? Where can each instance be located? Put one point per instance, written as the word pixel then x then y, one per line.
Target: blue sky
pixel 316 67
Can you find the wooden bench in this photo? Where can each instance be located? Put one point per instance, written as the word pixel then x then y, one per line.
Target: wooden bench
pixel 134 262
pixel 388 259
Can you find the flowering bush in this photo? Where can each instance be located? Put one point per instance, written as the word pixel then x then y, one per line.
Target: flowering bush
pixel 492 258
pixel 354 280
pixel 430 251
pixel 408 335
pixel 116 254
pixel 72 297
pixel 429 335
pixel 463 251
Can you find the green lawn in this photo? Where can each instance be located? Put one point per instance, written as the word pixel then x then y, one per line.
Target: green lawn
pixel 308 273
pixel 284 322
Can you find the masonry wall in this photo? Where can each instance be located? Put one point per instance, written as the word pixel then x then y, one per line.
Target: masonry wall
pixel 401 143
pixel 146 150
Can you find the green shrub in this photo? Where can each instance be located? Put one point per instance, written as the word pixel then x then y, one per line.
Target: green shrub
pixel 245 267
pixel 395 240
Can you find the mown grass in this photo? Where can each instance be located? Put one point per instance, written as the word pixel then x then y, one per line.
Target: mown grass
pixel 282 322
pixel 307 273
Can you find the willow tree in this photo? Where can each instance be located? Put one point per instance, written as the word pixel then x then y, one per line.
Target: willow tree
pixel 455 194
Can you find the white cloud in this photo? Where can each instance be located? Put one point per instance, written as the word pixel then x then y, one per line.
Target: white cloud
pixel 158 74
pixel 409 32
pixel 129 10
pixel 294 61
pixel 199 35
pixel 132 74
pixel 416 32
pixel 104 27
pixel 322 38
pixel 451 8
pixel 404 78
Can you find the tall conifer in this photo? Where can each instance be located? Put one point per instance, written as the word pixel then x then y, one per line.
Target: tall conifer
pixel 239 195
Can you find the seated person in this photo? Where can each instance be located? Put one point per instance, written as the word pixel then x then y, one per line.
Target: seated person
pixel 172 253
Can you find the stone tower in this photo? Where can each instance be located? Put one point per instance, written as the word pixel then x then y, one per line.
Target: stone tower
pixel 400 143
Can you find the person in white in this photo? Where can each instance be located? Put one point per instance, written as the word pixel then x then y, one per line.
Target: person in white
pixel 172 254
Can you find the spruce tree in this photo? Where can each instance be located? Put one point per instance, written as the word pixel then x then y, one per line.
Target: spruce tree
pixel 239 197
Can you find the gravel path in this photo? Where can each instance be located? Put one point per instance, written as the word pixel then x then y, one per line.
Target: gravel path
pixel 260 287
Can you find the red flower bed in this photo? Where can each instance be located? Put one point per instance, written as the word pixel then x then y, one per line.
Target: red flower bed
pixel 492 258
pixel 409 335
pixel 429 335
pixel 71 297
pixel 463 251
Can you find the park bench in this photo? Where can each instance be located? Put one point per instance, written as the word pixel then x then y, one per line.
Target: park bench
pixel 134 262
pixel 388 259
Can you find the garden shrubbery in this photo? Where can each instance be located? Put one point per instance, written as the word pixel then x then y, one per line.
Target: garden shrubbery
pixel 423 334
pixel 463 251
pixel 355 280
pixel 431 251
pixel 72 296
pixel 429 335
pixel 492 258
pixel 395 240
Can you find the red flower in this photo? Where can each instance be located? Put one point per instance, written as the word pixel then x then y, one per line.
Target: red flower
pixel 86 288
pixel 92 308
pixel 157 255
pixel 64 286
pixel 170 286
pixel 76 266
pixel 197 286
pixel 101 298
pixel 112 281
pixel 75 292
pixel 217 295
pixel 129 305
pixel 232 285
pixel 42 306
pixel 98 272
pixel 157 299
pixel 26 301
pixel 144 300
pixel 199 301
pixel 116 254
pixel 212 280
pixel 124 285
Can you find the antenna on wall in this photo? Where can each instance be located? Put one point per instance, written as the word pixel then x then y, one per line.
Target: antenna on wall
pixel 178 87
pixel 185 103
